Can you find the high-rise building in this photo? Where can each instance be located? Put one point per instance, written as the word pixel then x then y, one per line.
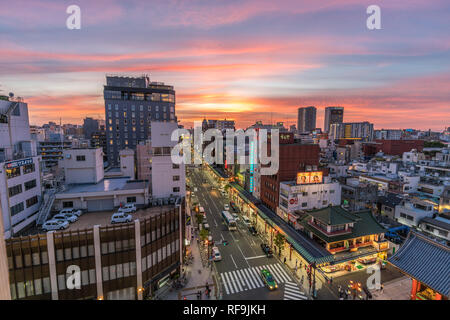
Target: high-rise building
pixel 306 119
pixel 333 115
pixel 131 103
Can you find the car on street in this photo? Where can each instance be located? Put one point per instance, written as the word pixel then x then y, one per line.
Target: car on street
pixel 128 208
pixel 120 217
pixel 226 207
pixel 206 226
pixel 252 230
pixel 246 221
pixel 235 216
pixel 268 279
pixel 55 225
pixel 266 249
pixel 71 210
pixel 68 216
pixel 216 254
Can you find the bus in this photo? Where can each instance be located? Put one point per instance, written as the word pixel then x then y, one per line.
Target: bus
pixel 229 220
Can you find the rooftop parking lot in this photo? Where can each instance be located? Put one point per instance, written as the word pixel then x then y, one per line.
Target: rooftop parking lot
pixel 103 218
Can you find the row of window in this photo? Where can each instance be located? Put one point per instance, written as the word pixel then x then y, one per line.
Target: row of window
pixel 15 172
pixel 158 116
pixel 139 96
pixel 20 206
pixel 17 189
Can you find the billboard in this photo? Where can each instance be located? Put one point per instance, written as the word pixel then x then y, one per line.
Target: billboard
pixel 309 177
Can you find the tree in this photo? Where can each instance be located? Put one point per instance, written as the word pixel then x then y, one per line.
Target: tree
pixel 279 242
pixel 204 234
pixel 199 217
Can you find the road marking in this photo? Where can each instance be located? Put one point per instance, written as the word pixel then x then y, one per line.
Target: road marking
pixel 233 261
pixel 231 286
pixel 215 222
pixel 250 278
pixel 280 268
pixel 243 255
pixel 235 279
pixel 221 235
pixel 243 279
pixel 292 292
pixel 257 257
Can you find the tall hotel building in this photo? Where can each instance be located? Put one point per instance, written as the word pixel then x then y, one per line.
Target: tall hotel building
pixel 333 115
pixel 131 103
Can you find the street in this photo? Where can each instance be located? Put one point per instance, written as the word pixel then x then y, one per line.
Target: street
pixel 242 257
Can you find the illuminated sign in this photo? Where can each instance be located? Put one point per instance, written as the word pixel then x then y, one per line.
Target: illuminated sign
pixel 309 177
pixel 18 163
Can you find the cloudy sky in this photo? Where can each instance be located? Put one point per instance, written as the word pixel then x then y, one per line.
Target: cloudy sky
pixel 243 60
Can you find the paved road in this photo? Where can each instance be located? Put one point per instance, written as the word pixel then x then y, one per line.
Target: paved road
pixel 242 258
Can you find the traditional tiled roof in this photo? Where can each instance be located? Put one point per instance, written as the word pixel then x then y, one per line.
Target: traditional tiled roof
pixel 365 224
pixel 333 215
pixel 425 260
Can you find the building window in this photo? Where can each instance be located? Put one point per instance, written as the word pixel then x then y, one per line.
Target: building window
pixel 28 168
pixel 32 201
pixel 131 199
pixel 15 190
pixel 67 204
pixel 175 166
pixel 17 209
pixel 176 189
pixel 81 158
pixel 176 178
pixel 30 184
pixel 14 172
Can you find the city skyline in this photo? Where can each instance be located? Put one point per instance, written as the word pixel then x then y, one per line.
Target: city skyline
pixel 235 60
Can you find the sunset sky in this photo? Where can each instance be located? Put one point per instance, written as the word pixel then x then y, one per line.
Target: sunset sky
pixel 243 60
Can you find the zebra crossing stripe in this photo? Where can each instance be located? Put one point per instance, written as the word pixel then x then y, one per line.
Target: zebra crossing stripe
pixel 243 280
pixel 235 281
pixel 279 267
pixel 225 286
pixel 250 278
pixel 229 282
pixel 255 274
pixel 277 274
pixel 292 296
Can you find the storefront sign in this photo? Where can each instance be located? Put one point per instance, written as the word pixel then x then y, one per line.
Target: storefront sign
pixel 18 163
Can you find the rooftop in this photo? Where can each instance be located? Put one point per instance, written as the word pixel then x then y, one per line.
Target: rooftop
pixel 333 215
pixel 426 261
pixel 105 185
pixel 365 224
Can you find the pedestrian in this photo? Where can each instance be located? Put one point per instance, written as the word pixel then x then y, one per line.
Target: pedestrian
pixel 284 260
pixel 331 280
pixel 382 289
pixel 296 268
pixel 296 261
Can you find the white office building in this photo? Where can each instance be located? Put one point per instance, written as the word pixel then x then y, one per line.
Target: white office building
pixel 168 178
pixel 411 211
pixel 20 168
pixel 295 197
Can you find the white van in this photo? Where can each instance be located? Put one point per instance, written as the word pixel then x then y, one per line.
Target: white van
pixel 127 208
pixel 246 221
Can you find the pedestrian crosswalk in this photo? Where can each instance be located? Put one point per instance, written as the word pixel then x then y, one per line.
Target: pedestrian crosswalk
pixel 292 292
pixel 249 278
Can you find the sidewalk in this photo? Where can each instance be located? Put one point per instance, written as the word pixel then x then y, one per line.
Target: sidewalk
pixel 197 276
pixel 397 289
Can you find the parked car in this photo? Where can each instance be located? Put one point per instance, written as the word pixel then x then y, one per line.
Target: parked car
pixel 55 225
pixel 68 216
pixel 235 216
pixel 206 226
pixel 216 254
pixel 252 230
pixel 127 208
pixel 71 210
pixel 266 249
pixel 268 279
pixel 226 207
pixel 120 217
pixel 246 221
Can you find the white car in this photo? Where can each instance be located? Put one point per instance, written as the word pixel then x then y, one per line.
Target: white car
pixel 235 216
pixel 72 211
pixel 120 217
pixel 68 216
pixel 129 207
pixel 246 221
pixel 226 207
pixel 55 225
pixel 216 254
